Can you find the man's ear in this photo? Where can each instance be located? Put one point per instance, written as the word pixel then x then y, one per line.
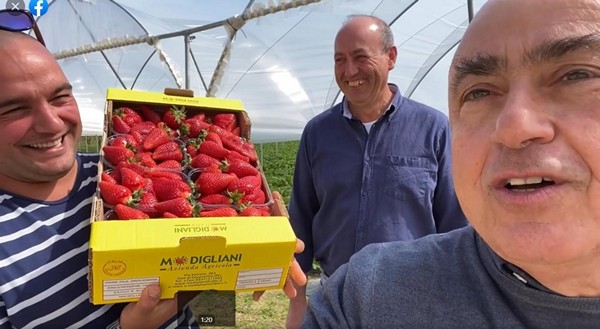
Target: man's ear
pixel 392 55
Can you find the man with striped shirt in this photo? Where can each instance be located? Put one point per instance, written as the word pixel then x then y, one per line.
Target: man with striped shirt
pixel 45 203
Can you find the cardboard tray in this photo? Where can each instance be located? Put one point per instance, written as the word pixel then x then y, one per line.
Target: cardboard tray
pixel 186 254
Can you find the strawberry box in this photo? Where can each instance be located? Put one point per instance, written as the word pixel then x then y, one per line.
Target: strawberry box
pixel 186 247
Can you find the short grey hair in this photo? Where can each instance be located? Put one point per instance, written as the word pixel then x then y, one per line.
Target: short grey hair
pixel 387 37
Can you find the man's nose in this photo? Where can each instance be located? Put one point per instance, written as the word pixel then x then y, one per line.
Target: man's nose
pixel 47 119
pixel 523 119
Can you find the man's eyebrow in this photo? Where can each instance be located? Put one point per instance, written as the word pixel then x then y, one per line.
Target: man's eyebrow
pixel 20 100
pixel 482 64
pixel 555 49
pixel 65 87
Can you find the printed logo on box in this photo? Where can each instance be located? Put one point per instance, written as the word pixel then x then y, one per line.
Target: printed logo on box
pixel 180 263
pixel 114 268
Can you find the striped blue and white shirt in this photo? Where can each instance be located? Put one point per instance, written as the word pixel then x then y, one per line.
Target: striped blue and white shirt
pixel 44 260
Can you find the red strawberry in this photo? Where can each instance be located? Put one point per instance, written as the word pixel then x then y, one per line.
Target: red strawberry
pixel 139 138
pixel 125 212
pixel 131 165
pixel 147 203
pixel 223 133
pixel 156 173
pixel 128 115
pixel 203 161
pixel 212 136
pixel 236 155
pixel 213 183
pixel 254 211
pixel 226 121
pixel 193 128
pixel 239 168
pixel 167 151
pixel 256 197
pixel 119 125
pixel 170 164
pixel 198 116
pixel 114 194
pixel 106 177
pixel 145 159
pixel 167 214
pixel 245 185
pixel 148 186
pixel 116 154
pixel 191 147
pixel 216 199
pixel 180 207
pixel 124 140
pixel 174 117
pixel 131 179
pixel 156 137
pixel 213 149
pixel 219 212
pixel 243 147
pixel 143 127
pixel 149 114
pixel 166 189
pixel 237 131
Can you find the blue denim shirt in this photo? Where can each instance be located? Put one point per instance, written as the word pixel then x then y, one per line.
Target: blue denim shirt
pixel 352 188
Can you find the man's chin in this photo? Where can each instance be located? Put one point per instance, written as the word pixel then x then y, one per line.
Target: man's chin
pixel 54 170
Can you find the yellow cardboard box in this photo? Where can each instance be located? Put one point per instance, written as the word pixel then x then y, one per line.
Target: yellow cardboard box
pixel 187 254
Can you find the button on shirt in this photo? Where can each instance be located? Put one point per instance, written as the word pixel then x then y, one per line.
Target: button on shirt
pixel 352 187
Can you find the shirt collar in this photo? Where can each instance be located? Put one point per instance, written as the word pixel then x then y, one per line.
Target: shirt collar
pixel 393 104
pixel 512 271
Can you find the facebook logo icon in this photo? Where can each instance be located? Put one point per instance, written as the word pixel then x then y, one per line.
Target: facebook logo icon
pixel 38 7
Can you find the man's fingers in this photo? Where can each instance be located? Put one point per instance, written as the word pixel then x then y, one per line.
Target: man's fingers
pixel 297 274
pixel 299 246
pixel 149 311
pixel 149 299
pixel 289 289
pixel 257 294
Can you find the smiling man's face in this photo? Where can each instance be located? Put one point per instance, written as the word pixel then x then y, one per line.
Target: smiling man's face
pixel 524 105
pixel 39 118
pixel 362 65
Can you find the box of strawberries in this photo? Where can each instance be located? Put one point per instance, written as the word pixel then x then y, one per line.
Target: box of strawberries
pixel 182 201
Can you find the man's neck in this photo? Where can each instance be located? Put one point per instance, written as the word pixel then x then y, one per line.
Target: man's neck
pixel 43 191
pixel 572 280
pixel 372 112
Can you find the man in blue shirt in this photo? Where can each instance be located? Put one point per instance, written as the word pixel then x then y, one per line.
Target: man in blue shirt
pixel 375 167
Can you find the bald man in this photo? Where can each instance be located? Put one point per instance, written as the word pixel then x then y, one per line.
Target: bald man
pixel 45 203
pixel 373 168
pixel 523 99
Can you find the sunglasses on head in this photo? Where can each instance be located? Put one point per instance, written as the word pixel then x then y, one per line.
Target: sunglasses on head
pixel 17 20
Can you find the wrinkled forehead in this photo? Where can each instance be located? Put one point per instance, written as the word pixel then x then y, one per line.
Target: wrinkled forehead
pixel 510 32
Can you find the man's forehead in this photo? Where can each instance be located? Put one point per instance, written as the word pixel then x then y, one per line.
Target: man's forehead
pixel 504 29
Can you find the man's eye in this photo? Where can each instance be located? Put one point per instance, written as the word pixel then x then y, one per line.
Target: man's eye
pixel 576 75
pixel 62 99
pixel 361 58
pixel 476 95
pixel 12 111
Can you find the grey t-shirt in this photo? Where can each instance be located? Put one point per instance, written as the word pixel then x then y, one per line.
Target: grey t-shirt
pixel 450 280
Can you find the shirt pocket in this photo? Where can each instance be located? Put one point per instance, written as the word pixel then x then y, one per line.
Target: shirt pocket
pixel 409 177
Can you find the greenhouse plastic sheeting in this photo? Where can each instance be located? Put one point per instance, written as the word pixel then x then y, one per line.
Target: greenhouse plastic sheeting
pixel 274 56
